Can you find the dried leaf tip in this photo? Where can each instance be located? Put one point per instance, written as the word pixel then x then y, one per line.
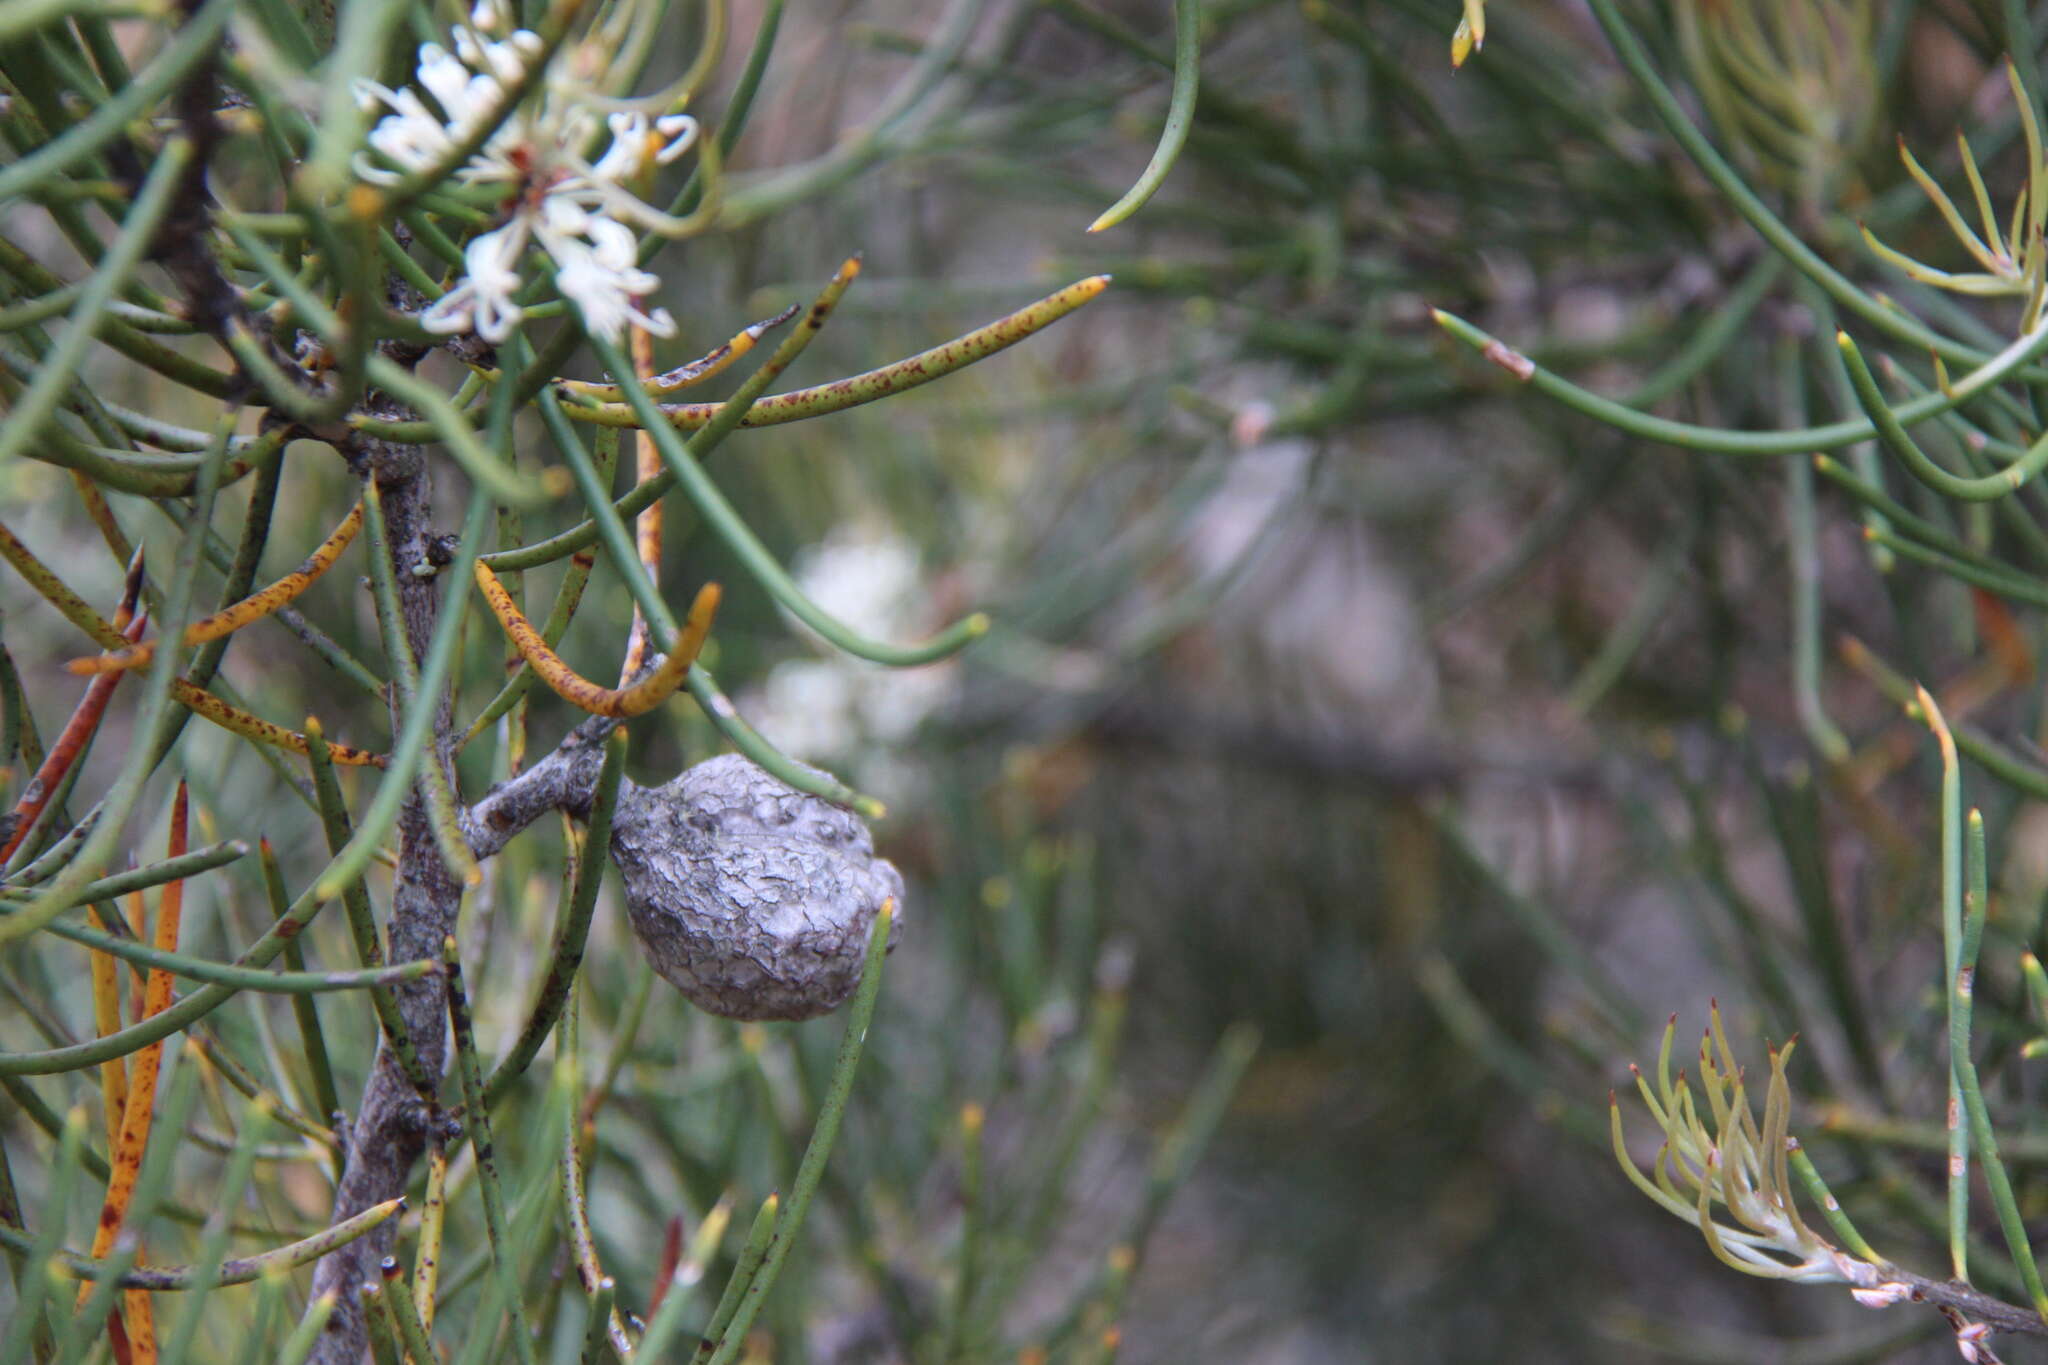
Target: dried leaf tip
pixel 1463 44
pixel 1470 35
pixel 1509 359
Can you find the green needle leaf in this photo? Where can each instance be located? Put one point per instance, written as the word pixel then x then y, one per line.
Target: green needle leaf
pixel 1180 115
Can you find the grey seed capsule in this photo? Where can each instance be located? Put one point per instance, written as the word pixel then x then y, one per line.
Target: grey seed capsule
pixel 751 898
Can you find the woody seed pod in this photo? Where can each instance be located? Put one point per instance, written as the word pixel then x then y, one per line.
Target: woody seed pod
pixel 751 898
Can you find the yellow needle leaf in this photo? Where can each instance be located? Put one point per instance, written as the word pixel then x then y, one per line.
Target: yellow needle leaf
pixel 254 607
pixel 581 692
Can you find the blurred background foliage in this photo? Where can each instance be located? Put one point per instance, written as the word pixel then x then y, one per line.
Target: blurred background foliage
pixel 1452 737
pixel 1340 686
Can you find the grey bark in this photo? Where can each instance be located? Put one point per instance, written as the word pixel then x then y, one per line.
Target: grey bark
pixel 391 1124
pixel 565 780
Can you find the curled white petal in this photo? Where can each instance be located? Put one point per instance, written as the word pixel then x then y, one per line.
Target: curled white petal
pixel 409 137
pixel 451 313
pixel 613 202
pixel 506 59
pixel 604 307
pixel 370 96
pixel 604 295
pixel 681 132
pixel 623 159
pixel 445 78
pixel 492 261
pixel 561 216
pixel 616 248
pixel 484 301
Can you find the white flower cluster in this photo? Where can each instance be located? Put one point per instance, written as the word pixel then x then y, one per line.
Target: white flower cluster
pixel 581 212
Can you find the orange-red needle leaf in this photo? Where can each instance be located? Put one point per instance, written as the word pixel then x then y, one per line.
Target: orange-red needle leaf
pixel 77 733
pixel 133 1139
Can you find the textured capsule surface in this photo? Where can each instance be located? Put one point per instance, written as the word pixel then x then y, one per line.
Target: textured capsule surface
pixel 751 898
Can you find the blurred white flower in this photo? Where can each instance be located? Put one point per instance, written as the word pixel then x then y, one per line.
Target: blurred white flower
pixel 808 706
pixel 866 578
pixel 837 709
pixel 581 213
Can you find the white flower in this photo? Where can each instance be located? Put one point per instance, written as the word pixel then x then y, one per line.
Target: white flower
pixel 602 279
pixel 582 214
pixel 809 705
pixel 865 575
pixel 482 302
pixel 633 140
